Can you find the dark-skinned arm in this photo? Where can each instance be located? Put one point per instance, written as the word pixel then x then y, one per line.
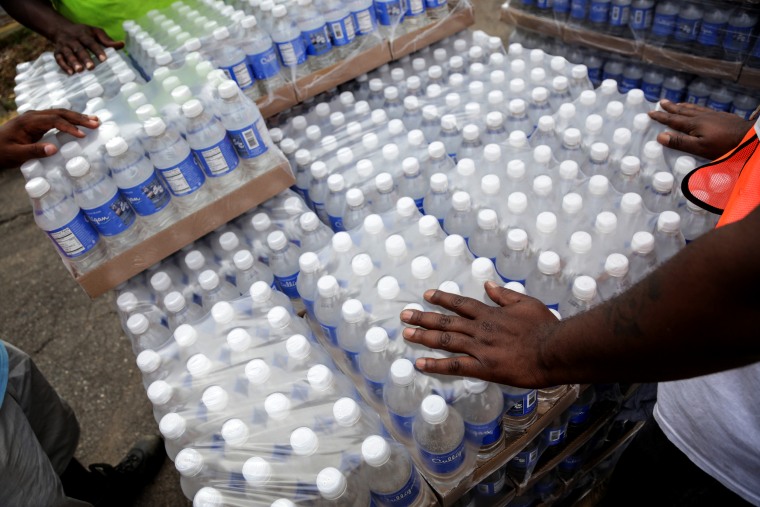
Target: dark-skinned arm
pixel 694 315
pixel 73 41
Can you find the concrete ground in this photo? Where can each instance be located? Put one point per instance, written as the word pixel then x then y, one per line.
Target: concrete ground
pixel 78 343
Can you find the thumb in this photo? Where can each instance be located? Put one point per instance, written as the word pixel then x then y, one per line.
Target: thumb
pixel 681 142
pixel 500 295
pixel 38 150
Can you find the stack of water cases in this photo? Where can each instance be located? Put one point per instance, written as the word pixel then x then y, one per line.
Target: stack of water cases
pixel 163 150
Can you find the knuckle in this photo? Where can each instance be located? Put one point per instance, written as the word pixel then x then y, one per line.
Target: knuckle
pixel 487 326
pixel 445 339
pixel 454 366
pixel 458 301
pixel 444 321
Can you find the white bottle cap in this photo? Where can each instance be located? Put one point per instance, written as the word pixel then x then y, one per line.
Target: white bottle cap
pixel 517 239
pixel 482 268
pixel 572 203
pixel 450 287
pixel 567 111
pixel 663 181
pixel 428 225
pixel 352 311
pixel 454 245
pixel 546 123
pixel 641 121
pixel 346 412
pixel 410 166
pixel 235 432
pixel 546 222
pixel 422 268
pixel 517 66
pixel 542 185
pixel 494 119
pixel 354 197
pixel 185 335
pixel 282 502
pixel 580 242
pixel 239 340
pixel 487 219
pixel 260 292
pixel 257 471
pixel 71 149
pixel 588 98
pixel 429 112
pixel 388 288
pixel 600 152
pixel 572 137
pixel 390 152
pixel 172 426
pixel 605 223
pixel 719 183
pixel 435 72
pixel 684 165
pixel 496 98
pixel 517 106
pixel 257 371
pixel 630 165
pixel 126 302
pixel 365 169
pixel 615 109
pixel 376 339
pixel 160 282
pixel 652 150
pixel 631 202
pixel 516 169
pixel 278 317
pixel 174 301
pixel 539 93
pixel 160 392
pixel 669 221
pixel 304 441
pixel 77 166
pixel 416 138
pixel 342 242
pixel 279 11
pixel 466 167
pixel 434 409
pixel 308 262
pixel 470 132
pixel 490 184
pixel 448 122
pixel 517 202
pixel 598 184
pixel 395 246
pixel 549 263
pixel 642 242
pixel 460 201
pixel 116 146
pixel 542 154
pixel 568 170
pixel 189 462
pixel 584 288
pixel 560 84
pixel 373 224
pixel 518 139
pixel 622 137
pixel 138 324
pixel 406 207
pixel 474 386
pixel 277 240
pixel 327 286
pixel 337 119
pixel 379 117
pixel 195 260
pixel 331 483
pixel 336 183
pixel 229 241
pixel 384 182
pixel 492 153
pixel 148 361
pixel 222 312
pixel 320 377
pixel 208 279
pixel 298 347
pixel 391 92
pixel 375 451
pixel 402 372
pixel 579 71
pixel 192 108
pixel 616 265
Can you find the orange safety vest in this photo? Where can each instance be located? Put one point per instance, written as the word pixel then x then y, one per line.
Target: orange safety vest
pixel 729 186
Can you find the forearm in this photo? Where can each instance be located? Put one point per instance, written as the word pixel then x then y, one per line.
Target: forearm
pixel 696 314
pixel 38 15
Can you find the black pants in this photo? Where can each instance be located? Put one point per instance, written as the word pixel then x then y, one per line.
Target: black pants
pixel 652 472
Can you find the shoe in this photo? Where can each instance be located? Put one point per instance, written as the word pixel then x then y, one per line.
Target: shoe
pixel 124 481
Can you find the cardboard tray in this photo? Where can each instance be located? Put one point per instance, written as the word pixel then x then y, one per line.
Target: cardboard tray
pixel 278 101
pixel 628 47
pixel 458 19
pixel 694 64
pixel 749 77
pixel 127 264
pixel 518 17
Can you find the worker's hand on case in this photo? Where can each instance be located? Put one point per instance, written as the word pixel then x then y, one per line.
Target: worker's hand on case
pixel 499 344
pixel 699 130
pixel 19 137
pixel 75 42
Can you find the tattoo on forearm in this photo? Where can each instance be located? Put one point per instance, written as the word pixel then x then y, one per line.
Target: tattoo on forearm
pixel 624 312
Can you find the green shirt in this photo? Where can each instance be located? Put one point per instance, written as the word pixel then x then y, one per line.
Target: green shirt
pixel 107 14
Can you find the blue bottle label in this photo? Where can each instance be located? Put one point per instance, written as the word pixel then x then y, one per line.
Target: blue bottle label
pixel 543 4
pixel 432 4
pixel 375 388
pixel 365 21
pixel 415 7
pixel 240 73
pixel 443 463
pixel 554 436
pixel 264 65
pixel 553 306
pixel 248 142
pixel 595 74
pixel 292 52
pixel 336 223
pixel 388 13
pixel 489 489
pixel 148 197
pixel 578 9
pixel 561 6
pixel 113 217
pixel 483 434
pixel 342 31
pixel 571 463
pixel 742 113
pixel 402 423
pixel 710 33
pixel 718 105
pixel 673 95
pixel 331 332
pixel 664 24
pixel 287 284
pixel 520 404
pixel 185 177
pixel 525 458
pixel 309 304
pixel 697 99
pixel 219 159
pixel 686 29
pixel 609 75
pixel 76 237
pixel 578 413
pixel 405 496
pixel 627 84
pixel 620 15
pixel 641 19
pixel 317 41
pixel 599 12
pixel 652 91
pixel 737 38
pixel 418 202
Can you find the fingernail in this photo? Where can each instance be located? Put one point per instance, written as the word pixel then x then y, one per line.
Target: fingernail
pixel 491 285
pixel 77 68
pixel 94 118
pixel 664 101
pixel 406 315
pixel 420 364
pixel 49 149
pixel 428 294
pixel 102 58
pixel 664 138
pixel 408 332
pixel 89 65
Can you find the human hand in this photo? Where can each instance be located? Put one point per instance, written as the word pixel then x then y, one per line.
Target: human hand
pixel 699 130
pixel 502 344
pixel 74 42
pixel 19 136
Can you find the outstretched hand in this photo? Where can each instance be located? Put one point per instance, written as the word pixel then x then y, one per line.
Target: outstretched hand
pixel 19 137
pixel 74 42
pixel 500 344
pixel 699 130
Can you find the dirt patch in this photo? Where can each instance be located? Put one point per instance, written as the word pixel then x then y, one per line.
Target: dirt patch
pixel 22 45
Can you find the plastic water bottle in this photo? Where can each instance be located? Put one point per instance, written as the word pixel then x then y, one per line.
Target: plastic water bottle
pixel 232 60
pixel 138 182
pixel 365 20
pixel 179 311
pixel 737 37
pixel 413 184
pixel 461 219
pixel 214 149
pixel 245 128
pixel 391 473
pixel 402 396
pixel 720 99
pixel 482 408
pixel 214 289
pixel 287 39
pixel 659 196
pixel 485 241
pixel 110 212
pixel 688 24
pixel 437 200
pixel 571 148
pixel 335 204
pixel 318 189
pixel 351 331
pixel 713 28
pixel 642 15
pixel 668 237
pixel 643 258
pixel 515 263
pixel 674 88
pixel 651 83
pixel 261 55
pixel 327 307
pixel 545 282
pixel 439 435
pixel 615 279
pixel 177 165
pixel 695 221
pixel 316 36
pixel 520 406
pixel 249 271
pixel 583 296
pixel 66 225
pixel 283 262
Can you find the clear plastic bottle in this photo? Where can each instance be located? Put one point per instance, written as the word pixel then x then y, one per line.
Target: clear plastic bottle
pixel 668 237
pixel 461 219
pixel 482 408
pixel 391 474
pixel 515 263
pixel 437 200
pixel 402 396
pixel 261 55
pixel 179 311
pixel 545 283
pixel 738 35
pixel 583 296
pixel 215 289
pixel 520 408
pixel 327 307
pixel 335 489
pixel 289 42
pixel 413 183
pixel 365 20
pixel 375 361
pixel 615 279
pixel 485 241
pixel 110 212
pixel 351 330
pixel 439 435
pixel 335 203
pixel 643 258
pixel 317 42
pixel 283 262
